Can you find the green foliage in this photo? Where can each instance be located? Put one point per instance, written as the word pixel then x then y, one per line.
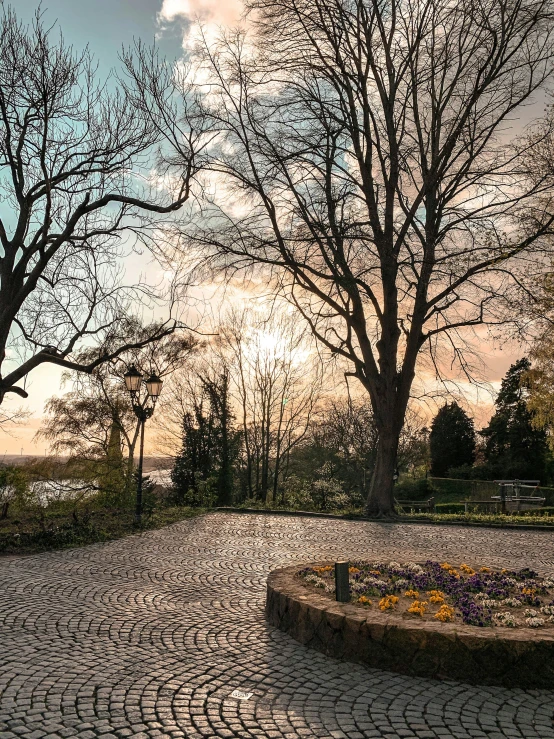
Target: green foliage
pixel 344 444
pixel 14 489
pixel 324 492
pixel 450 508
pixel 203 473
pixel 414 489
pixel 59 531
pixel 490 519
pixel 514 448
pixel 452 440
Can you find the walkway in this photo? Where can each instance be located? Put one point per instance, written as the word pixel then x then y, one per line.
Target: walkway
pixel 149 636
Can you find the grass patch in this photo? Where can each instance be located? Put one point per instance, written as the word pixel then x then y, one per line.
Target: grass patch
pixel 29 534
pixel 534 519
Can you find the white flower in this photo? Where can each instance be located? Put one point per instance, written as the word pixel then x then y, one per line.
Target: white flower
pixel 374 582
pixel 395 566
pixel 316 580
pixel 548 582
pixel 490 603
pixel 531 612
pixel 505 618
pixel 547 610
pixel 512 602
pixel 401 583
pixel 511 581
pixel 534 623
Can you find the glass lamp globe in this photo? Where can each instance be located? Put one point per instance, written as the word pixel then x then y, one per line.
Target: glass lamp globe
pixel 132 378
pixel 154 386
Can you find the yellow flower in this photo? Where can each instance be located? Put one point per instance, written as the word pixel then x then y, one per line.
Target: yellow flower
pixel 320 570
pixel 467 570
pixel 445 613
pixel 485 569
pixel 418 607
pixel 435 596
pixel 388 602
pixel 375 572
pixel 451 570
pixel 365 600
pixel 411 594
pixel 528 591
pixel 353 570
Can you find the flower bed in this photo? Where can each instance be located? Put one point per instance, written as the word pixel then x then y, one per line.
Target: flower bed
pixel 449 631
pixel 446 593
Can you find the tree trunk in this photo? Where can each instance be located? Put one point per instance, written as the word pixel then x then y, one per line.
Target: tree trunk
pixel 380 501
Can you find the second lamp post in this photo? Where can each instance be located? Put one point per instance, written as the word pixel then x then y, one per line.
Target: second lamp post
pixel 143 409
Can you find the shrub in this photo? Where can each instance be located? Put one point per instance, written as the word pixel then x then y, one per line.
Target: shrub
pixel 409 489
pixel 13 489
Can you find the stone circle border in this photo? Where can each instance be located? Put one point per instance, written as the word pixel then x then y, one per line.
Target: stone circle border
pixel 512 658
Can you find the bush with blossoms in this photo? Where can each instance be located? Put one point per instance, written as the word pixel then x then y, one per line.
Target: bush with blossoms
pixel 443 592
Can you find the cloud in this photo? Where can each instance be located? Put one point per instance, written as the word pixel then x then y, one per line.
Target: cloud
pixel 218 12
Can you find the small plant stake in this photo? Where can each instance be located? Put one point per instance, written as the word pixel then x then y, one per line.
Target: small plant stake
pixel 342 584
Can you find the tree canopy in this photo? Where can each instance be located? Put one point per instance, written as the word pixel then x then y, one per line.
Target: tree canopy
pixel 514 447
pixel 452 440
pixel 365 164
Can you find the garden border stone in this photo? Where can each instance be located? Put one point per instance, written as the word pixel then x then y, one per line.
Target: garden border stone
pixel 521 657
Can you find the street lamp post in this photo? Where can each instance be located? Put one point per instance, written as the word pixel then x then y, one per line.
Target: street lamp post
pixel 143 410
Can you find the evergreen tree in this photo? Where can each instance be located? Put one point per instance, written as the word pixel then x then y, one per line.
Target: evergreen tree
pixel 452 440
pixel 224 435
pixel 514 449
pixel 204 469
pixel 195 462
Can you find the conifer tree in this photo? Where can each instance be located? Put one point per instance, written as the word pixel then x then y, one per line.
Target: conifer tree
pixel 452 440
pixel 204 469
pixel 514 448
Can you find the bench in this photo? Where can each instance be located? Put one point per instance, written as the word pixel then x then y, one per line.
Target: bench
pixel 419 505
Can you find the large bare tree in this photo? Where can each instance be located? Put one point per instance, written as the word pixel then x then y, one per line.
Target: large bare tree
pixel 369 160
pixel 82 163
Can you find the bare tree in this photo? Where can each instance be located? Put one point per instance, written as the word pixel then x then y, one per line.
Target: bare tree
pixel 76 164
pixel 277 382
pixel 95 420
pixel 368 163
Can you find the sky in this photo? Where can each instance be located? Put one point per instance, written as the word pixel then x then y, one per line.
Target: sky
pixel 105 26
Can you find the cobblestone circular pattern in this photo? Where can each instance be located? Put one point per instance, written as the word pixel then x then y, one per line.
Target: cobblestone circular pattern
pixel 521 657
pixel 148 637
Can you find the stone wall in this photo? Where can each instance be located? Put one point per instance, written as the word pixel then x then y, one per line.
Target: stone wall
pixel 489 656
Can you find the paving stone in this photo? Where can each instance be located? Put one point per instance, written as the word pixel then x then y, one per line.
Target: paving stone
pixel 148 636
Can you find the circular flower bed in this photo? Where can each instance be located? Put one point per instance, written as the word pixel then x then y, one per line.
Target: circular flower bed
pixel 446 593
pixel 435 620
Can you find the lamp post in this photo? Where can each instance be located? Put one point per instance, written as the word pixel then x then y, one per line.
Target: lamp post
pixel 143 409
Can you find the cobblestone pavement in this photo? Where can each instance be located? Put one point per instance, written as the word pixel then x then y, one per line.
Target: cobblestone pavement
pixel 148 636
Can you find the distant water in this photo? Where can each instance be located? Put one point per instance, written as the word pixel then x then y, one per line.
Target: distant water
pixel 49 491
